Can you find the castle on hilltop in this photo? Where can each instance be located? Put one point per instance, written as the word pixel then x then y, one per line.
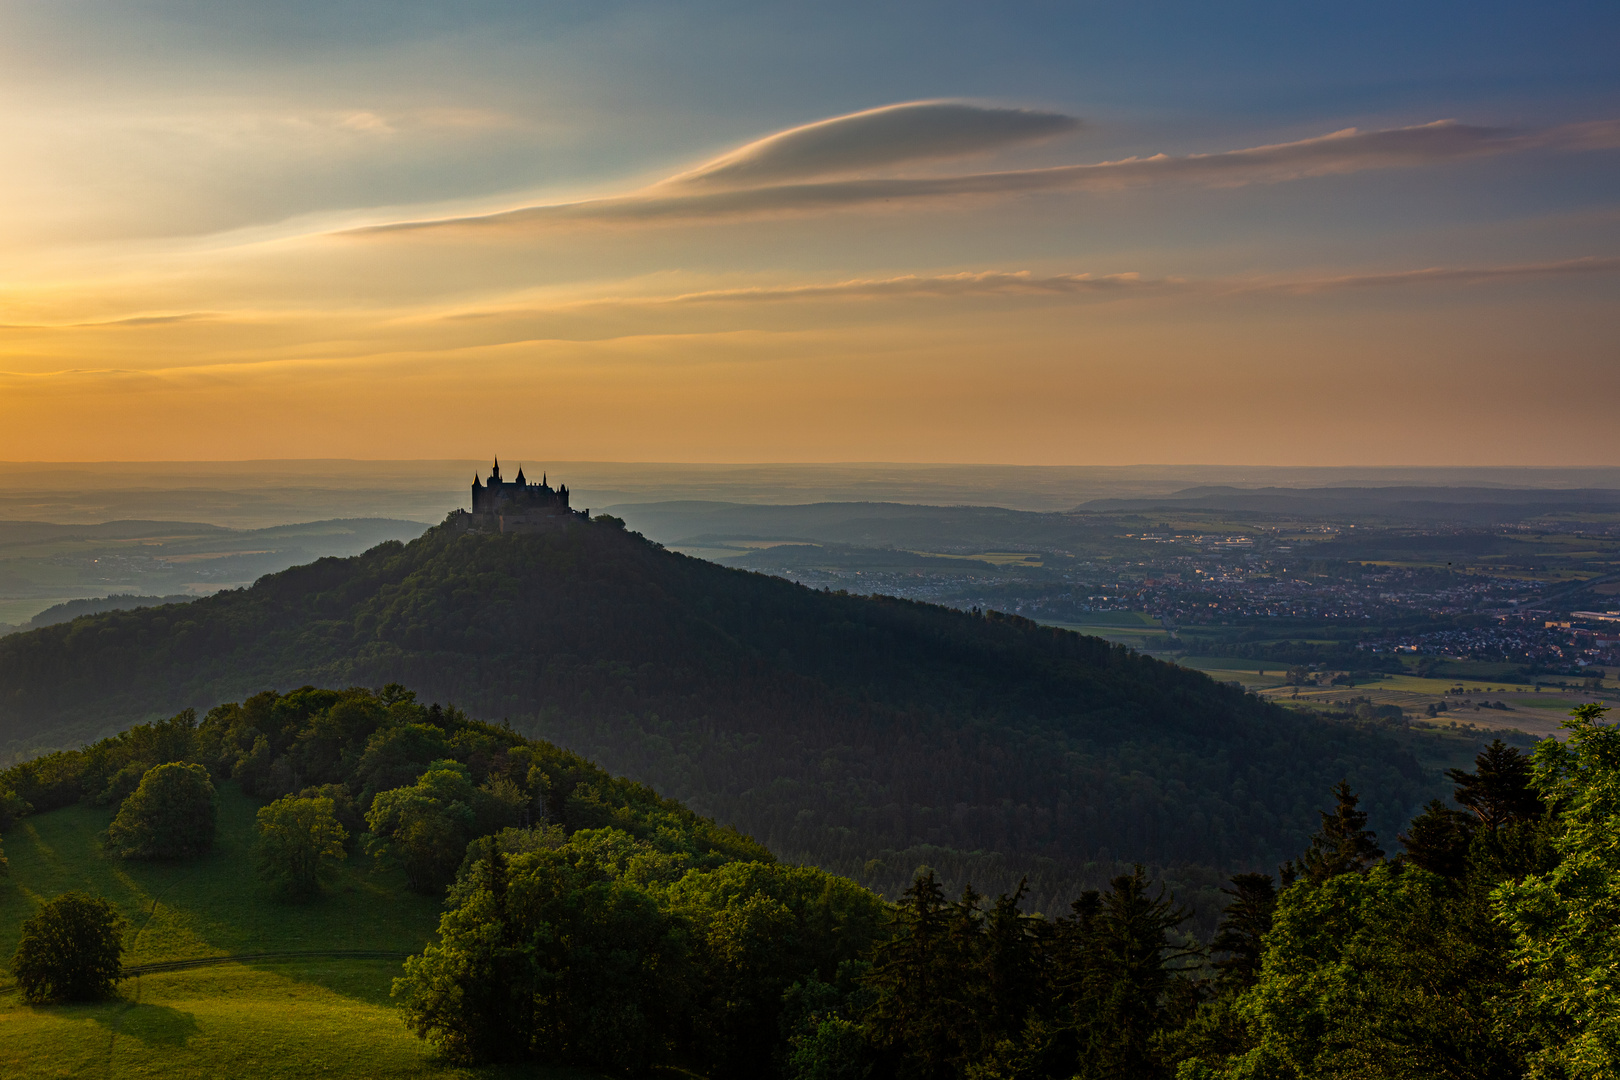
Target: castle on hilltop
pixel 515 505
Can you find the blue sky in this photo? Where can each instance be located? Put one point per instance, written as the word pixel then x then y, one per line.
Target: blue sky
pixel 185 179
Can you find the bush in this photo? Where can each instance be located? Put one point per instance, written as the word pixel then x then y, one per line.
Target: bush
pixel 71 950
pixel 300 844
pixel 170 815
pixel 12 807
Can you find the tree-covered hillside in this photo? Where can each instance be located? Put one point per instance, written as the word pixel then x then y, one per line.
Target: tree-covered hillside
pixel 865 735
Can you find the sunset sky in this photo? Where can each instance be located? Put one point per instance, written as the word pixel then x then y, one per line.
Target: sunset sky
pixel 1067 233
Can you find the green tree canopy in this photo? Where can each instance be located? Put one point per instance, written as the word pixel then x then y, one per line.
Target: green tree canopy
pixel 1563 921
pixel 425 827
pixel 70 950
pixel 171 815
pixel 300 844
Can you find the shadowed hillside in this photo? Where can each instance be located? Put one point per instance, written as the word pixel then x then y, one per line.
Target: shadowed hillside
pixel 866 735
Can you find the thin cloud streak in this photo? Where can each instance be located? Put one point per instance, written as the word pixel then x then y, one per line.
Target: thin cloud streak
pixel 1021 283
pixel 1452 275
pixel 133 320
pixel 1340 152
pixel 325 325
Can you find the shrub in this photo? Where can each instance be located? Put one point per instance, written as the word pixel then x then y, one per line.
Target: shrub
pixel 71 950
pixel 170 815
pixel 12 807
pixel 300 844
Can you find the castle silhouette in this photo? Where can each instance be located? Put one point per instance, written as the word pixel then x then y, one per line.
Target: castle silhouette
pixel 516 505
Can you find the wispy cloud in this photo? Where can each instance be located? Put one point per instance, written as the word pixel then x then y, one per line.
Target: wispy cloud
pixel 987 283
pixel 1463 275
pixel 134 320
pixel 775 176
pixel 1022 283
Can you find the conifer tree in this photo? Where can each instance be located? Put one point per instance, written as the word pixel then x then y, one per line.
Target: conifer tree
pixel 1009 969
pixel 1131 964
pixel 1243 928
pixel 1437 840
pixel 917 1019
pixel 1343 845
pixel 1499 791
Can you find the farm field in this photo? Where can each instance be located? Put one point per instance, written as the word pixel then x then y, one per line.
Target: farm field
pixel 311 1015
pixel 1527 710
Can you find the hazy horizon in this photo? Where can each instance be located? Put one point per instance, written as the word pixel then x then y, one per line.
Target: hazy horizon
pixel 257 494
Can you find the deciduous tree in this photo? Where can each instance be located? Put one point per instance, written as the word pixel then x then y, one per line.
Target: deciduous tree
pixel 171 815
pixel 300 845
pixel 70 950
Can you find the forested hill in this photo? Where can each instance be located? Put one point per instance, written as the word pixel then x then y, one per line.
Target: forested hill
pixel 866 735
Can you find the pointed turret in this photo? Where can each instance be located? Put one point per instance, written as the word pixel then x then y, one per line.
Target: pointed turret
pixel 495 473
pixel 520 481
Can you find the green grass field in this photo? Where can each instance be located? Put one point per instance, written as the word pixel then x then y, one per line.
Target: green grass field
pixel 309 1016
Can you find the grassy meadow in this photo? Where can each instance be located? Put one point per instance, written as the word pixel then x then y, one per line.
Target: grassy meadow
pixel 285 1017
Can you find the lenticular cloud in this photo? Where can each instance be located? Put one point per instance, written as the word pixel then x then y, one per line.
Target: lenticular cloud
pixel 876 139
pixel 856 160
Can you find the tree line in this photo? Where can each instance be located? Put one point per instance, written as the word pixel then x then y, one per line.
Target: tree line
pixel 589 921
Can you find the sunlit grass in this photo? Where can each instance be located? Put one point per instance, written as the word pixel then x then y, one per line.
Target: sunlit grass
pixel 308 1017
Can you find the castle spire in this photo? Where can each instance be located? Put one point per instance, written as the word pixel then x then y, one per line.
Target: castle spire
pixel 519 481
pixel 495 474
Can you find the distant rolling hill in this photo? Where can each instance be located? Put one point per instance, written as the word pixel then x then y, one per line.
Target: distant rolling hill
pixel 45 565
pixel 863 734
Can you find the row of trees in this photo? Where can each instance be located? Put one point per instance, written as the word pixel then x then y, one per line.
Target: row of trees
pixel 1485 950
pixel 614 929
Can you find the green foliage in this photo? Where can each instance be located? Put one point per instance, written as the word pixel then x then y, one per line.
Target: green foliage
pixel 609 952
pixel 170 815
pixel 300 844
pixel 1343 845
pixel 425 827
pixel 1379 975
pixel 755 930
pixel 1563 920
pixel 821 1023
pixel 354 739
pixel 12 807
pixel 70 950
pixel 1389 970
pixel 965 990
pixel 825 725
pixel 1243 928
pixel 1499 790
